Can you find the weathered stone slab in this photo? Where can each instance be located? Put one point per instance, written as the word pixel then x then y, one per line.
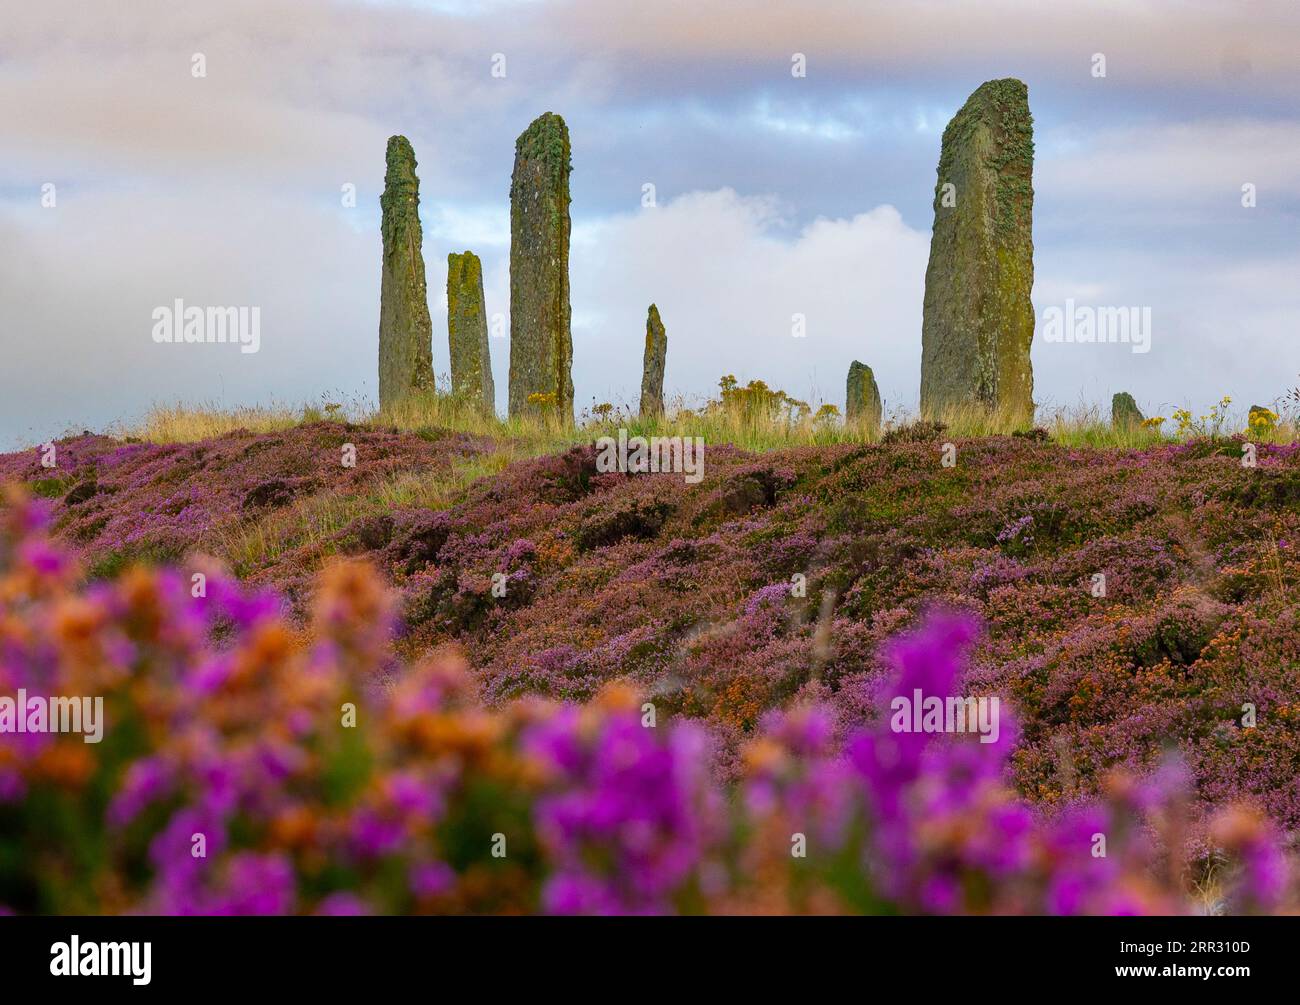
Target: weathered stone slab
pixel 978 321
pixel 1124 411
pixel 541 343
pixel 652 367
pixel 467 331
pixel 862 404
pixel 405 329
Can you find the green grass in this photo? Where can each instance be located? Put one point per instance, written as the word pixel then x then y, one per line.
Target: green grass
pixel 435 414
pixel 313 523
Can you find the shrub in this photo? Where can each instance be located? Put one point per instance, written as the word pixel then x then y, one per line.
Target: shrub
pixel 246 767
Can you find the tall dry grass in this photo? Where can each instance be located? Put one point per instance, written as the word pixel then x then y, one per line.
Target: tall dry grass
pixel 1083 425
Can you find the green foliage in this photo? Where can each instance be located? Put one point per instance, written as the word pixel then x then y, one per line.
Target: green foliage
pixel 546 141
pixel 756 401
pixel 48 488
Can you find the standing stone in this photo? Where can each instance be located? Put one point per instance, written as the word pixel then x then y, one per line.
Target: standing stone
pixel 978 321
pixel 541 344
pixel 1124 412
pixel 652 368
pixel 405 330
pixel 467 331
pixel 862 403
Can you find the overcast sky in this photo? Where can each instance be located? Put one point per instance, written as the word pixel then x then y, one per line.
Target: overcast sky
pixel 775 194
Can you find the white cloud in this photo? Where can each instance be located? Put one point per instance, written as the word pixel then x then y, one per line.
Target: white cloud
pixel 226 189
pixel 1170 164
pixel 1215 330
pixel 727 285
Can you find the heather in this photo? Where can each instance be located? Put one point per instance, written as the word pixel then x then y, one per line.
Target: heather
pixel 251 764
pixel 132 501
pixel 775 582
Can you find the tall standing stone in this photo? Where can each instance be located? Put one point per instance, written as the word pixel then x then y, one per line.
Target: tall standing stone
pixel 541 344
pixel 652 367
pixel 862 403
pixel 978 321
pixel 467 331
pixel 405 330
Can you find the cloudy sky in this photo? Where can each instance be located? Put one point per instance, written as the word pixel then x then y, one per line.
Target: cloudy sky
pixel 775 194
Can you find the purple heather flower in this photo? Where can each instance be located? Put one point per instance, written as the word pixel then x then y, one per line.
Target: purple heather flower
pixel 145 781
pixel 626 796
pixel 432 879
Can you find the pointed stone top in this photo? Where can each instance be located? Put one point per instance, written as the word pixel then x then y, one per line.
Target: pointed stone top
pixel 546 139
pixel 1005 85
pixel 1002 105
pixel 399 178
pixel 1003 92
pixel 547 122
pixel 654 328
pixel 400 154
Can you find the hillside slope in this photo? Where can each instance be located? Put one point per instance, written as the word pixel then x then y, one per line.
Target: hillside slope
pixel 692 591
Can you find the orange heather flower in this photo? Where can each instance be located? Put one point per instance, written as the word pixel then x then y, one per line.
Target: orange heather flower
pixel 266 653
pixel 67 763
pixel 352 597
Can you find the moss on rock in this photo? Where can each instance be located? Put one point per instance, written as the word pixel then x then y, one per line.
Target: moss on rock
pixel 405 329
pixel 467 331
pixel 652 367
pixel 541 343
pixel 978 320
pixel 862 404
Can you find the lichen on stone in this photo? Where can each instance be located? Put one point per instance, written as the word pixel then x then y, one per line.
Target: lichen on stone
pixel 541 343
pixel 1124 411
pixel 652 367
pixel 978 319
pixel 467 331
pixel 405 329
pixel 862 404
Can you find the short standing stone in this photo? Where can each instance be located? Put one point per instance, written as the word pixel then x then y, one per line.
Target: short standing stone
pixel 467 332
pixel 652 368
pixel 862 403
pixel 1124 412
pixel 405 330
pixel 541 344
pixel 978 321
